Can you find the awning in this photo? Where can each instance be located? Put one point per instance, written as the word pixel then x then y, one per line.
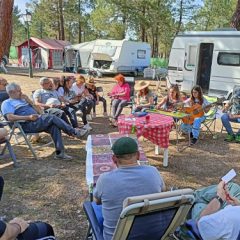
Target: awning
pixel 101 56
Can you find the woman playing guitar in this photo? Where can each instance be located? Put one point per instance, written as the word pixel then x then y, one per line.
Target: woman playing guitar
pixel 195 106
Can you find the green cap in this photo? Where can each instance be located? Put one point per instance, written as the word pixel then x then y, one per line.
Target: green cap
pixel 125 145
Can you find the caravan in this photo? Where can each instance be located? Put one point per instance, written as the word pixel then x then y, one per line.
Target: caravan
pixel 109 56
pixel 209 59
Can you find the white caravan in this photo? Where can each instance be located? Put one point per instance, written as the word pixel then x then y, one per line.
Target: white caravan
pixel 209 59
pixel 113 56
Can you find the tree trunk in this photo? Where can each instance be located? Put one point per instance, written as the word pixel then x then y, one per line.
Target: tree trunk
pixel 79 22
pixel 6 8
pixel 61 20
pixel 180 17
pixel 236 16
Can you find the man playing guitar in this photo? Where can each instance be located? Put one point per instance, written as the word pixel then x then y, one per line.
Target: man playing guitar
pixel 196 106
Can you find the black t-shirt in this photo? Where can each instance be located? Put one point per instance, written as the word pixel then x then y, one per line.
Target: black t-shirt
pixel 93 92
pixel 3 226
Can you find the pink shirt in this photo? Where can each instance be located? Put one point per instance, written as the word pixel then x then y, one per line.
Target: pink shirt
pixel 125 88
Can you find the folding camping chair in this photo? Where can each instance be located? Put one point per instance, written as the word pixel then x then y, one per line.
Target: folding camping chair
pixel 210 121
pixel 153 216
pixel 20 136
pixel 7 145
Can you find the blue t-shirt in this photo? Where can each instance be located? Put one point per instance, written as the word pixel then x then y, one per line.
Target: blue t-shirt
pixel 17 107
pixel 113 187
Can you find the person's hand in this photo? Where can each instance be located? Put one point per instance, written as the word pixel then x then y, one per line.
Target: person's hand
pixel 21 222
pixel 233 201
pixel 231 116
pixel 221 190
pixel 97 102
pixel 33 117
pixel 63 105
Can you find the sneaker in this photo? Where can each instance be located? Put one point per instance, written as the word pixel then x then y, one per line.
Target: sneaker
pixel 105 114
pixel 79 113
pixel 94 115
pixel 229 138
pixel 63 155
pixel 87 127
pixel 81 132
pixel 194 141
pixel 237 139
pixel 89 117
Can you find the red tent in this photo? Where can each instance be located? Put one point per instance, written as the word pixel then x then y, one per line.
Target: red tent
pixel 45 53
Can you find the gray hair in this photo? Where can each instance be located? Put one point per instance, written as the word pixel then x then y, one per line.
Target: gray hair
pixel 43 80
pixel 12 87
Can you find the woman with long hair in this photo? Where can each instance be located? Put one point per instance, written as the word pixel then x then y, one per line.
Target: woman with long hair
pixel 169 102
pixel 198 105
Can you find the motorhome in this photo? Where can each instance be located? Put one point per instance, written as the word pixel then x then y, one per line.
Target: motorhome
pixel 112 56
pixel 210 59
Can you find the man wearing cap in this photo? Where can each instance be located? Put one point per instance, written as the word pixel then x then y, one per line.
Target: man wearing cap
pixel 18 108
pixel 232 114
pixel 48 99
pixel 129 179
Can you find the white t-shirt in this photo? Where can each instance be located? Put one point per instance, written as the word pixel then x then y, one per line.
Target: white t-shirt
pixel 78 90
pixel 224 224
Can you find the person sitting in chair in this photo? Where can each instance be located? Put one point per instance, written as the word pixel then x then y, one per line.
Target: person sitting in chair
pixel 197 105
pixel 169 103
pixel 144 96
pixel 232 114
pixel 17 107
pixel 3 93
pixel 220 224
pixel 48 99
pixel 120 96
pixel 129 179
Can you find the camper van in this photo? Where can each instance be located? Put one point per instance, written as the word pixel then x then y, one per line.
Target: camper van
pixel 209 59
pixel 110 56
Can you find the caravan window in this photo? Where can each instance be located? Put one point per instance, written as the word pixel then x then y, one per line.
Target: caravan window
pixel 192 56
pixel 229 59
pixel 141 54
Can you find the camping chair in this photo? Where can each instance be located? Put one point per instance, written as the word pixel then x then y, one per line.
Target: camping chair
pixel 210 121
pixel 152 216
pixel 131 82
pixel 7 145
pixel 20 136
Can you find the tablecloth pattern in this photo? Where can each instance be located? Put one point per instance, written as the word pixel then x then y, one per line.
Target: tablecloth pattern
pixel 157 130
pixel 99 155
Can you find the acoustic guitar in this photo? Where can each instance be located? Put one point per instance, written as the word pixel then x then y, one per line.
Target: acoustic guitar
pixel 195 111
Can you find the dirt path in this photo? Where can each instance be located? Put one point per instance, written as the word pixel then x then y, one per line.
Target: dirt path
pixel 54 190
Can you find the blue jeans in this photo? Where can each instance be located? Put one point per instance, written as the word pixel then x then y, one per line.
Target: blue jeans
pixel 52 125
pixel 226 123
pixel 194 128
pixel 117 107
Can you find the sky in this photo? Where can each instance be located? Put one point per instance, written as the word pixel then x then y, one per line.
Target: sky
pixel 21 4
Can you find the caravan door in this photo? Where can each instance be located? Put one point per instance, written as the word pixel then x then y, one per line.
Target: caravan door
pixel 190 66
pixel 205 65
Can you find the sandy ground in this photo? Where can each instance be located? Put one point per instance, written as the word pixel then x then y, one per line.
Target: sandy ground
pixel 54 190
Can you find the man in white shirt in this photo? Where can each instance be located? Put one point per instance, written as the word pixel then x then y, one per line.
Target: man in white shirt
pixel 220 224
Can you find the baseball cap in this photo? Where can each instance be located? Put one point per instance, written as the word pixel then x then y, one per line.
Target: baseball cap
pixel 125 145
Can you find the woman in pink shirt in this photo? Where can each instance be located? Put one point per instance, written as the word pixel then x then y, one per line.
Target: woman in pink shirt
pixel 120 95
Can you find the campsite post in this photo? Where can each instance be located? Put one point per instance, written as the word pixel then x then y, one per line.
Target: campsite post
pixel 27 19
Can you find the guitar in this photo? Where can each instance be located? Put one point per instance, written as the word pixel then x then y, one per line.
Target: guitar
pixel 195 111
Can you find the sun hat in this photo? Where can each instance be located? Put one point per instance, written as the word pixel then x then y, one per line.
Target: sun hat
pixel 119 78
pixel 125 145
pixel 90 81
pixel 141 85
pixel 53 101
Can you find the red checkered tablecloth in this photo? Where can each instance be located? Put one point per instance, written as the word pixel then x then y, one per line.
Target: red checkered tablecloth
pixel 157 130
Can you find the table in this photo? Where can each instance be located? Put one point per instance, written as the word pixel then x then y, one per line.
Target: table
pixel 157 130
pixel 99 155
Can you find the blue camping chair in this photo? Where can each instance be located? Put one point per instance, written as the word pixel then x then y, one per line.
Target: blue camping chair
pixel 153 216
